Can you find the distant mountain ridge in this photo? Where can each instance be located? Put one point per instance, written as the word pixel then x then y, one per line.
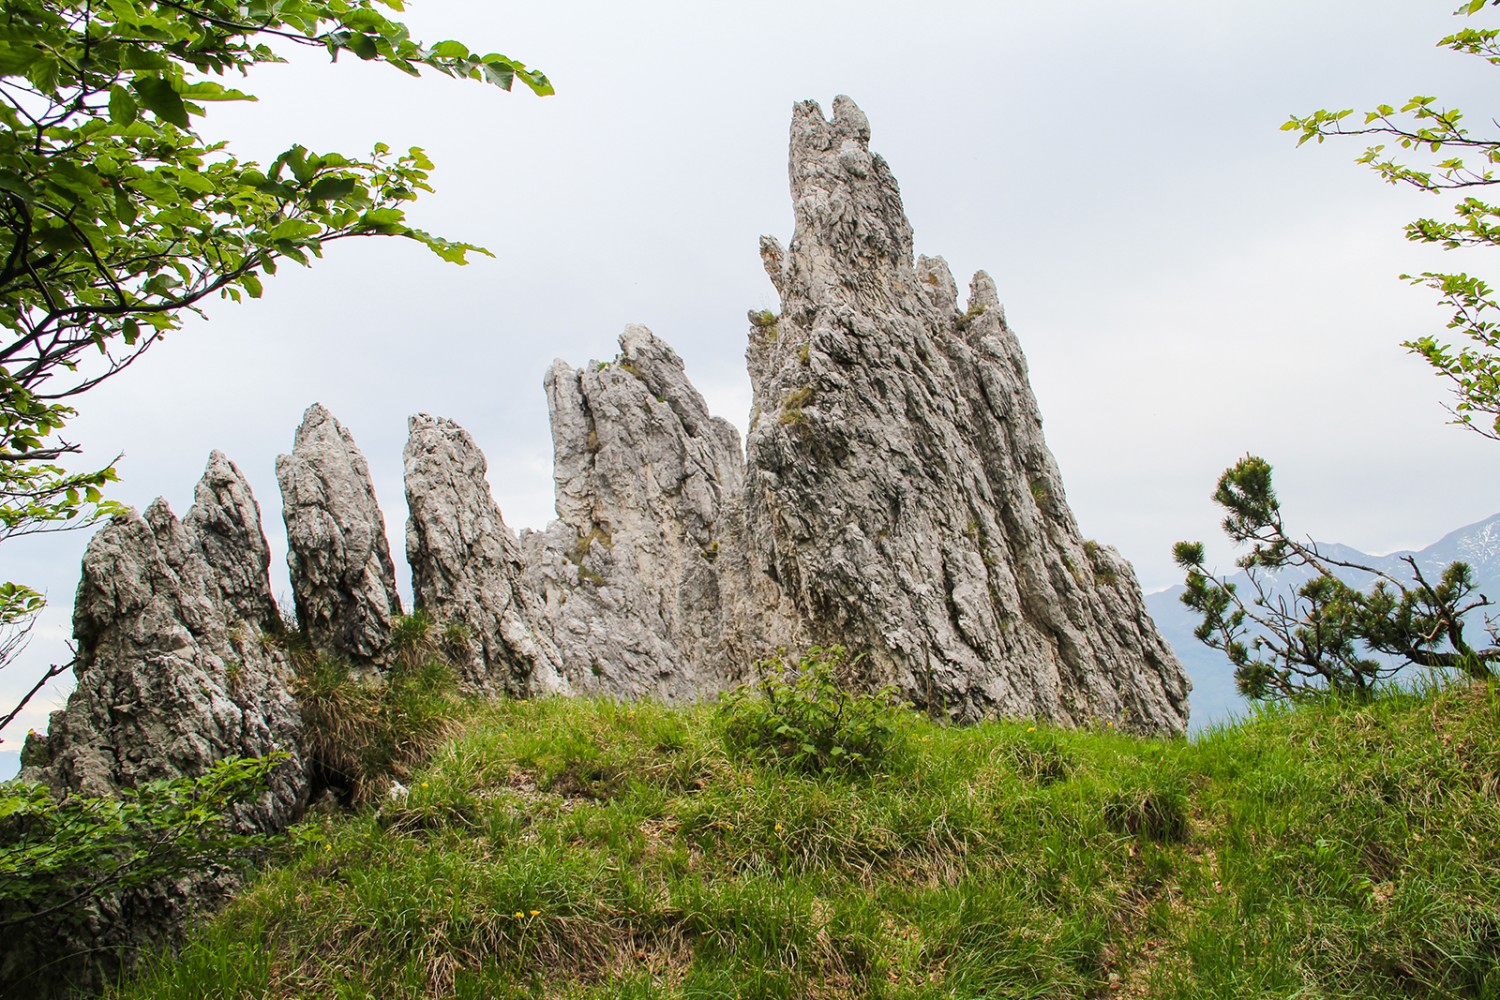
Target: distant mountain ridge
pixel 1214 697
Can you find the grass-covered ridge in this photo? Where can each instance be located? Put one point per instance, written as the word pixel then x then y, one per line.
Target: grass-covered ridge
pixel 589 849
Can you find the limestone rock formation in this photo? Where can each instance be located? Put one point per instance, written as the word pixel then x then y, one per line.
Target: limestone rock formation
pixel 899 486
pixel 173 669
pixel 466 564
pixel 343 578
pixel 898 498
pixel 174 673
pixel 630 572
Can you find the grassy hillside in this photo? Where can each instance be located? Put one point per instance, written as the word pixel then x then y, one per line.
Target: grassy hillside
pixel 584 849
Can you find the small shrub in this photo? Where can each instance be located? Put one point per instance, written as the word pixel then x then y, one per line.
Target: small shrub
pixel 416 640
pixel 411 637
pixel 791 406
pixel 584 542
pixel 1073 570
pixel 62 859
pixel 806 717
pixel 1099 563
pixel 55 852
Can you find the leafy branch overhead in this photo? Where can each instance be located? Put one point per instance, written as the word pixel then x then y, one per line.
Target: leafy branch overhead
pixel 117 217
pixel 1325 635
pixel 1449 158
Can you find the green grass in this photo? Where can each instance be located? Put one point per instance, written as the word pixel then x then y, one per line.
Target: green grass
pixel 585 849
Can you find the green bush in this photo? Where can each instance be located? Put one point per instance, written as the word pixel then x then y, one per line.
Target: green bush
pixel 63 859
pixel 59 852
pixel 808 718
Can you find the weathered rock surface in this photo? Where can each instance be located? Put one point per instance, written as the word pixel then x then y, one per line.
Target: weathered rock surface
pixel 343 578
pixel 466 564
pixel 174 673
pixel 899 487
pixel 631 572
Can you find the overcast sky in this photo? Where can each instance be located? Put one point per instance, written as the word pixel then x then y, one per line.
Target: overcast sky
pixel 1187 284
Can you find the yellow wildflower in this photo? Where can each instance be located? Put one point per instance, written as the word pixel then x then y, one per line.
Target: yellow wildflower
pixel 778 827
pixel 536 913
pixel 519 914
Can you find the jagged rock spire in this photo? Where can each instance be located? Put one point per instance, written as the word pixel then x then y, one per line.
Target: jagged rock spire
pixel 629 573
pixel 343 578
pixel 173 669
pixel 900 489
pixel 174 674
pixel 466 564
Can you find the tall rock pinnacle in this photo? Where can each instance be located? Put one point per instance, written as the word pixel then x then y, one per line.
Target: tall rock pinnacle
pixel 173 670
pixel 174 673
pixel 342 575
pixel 899 487
pixel 466 564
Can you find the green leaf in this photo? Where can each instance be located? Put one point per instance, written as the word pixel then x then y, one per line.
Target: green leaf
pixel 331 188
pixel 15 59
pixel 159 97
pixel 122 107
pixel 294 230
pixel 362 45
pixel 499 73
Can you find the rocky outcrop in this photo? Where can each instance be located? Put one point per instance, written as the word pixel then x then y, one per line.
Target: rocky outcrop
pixel 630 573
pixel 898 498
pixel 174 668
pixel 899 487
pixel 343 578
pixel 466 565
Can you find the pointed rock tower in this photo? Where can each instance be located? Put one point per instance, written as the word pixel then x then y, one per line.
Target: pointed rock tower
pixel 174 673
pixel 899 488
pixel 343 578
pixel 629 572
pixel 466 564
